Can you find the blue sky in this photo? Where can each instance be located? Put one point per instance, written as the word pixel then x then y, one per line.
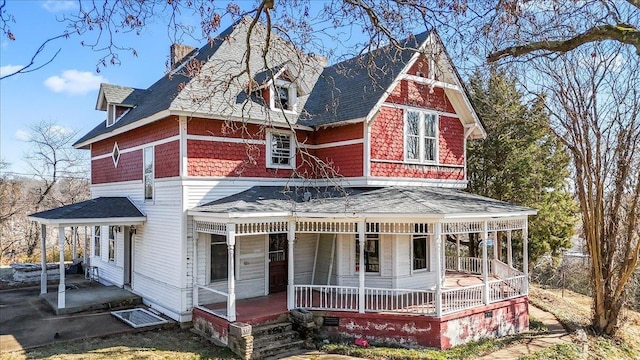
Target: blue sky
pixel 64 91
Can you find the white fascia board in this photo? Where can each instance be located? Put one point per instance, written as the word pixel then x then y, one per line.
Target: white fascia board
pixel 226 217
pixel 491 216
pixel 148 120
pixel 430 82
pixel 90 221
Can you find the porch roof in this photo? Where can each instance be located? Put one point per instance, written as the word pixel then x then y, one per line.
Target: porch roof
pixel 98 211
pixel 389 201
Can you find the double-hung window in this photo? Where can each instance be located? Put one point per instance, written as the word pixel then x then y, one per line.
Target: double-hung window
pixel 219 258
pixel 284 95
pixel 280 150
pixel 421 136
pixel 148 173
pixel 420 252
pixel 96 241
pixel 371 253
pixel 112 243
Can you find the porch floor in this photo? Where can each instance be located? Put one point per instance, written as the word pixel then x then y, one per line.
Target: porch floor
pixel 96 297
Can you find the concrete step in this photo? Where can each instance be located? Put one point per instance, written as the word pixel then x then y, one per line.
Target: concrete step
pixel 275 351
pixel 277 338
pixel 270 329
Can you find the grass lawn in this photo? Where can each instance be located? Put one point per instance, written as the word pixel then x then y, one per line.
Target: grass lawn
pixel 174 344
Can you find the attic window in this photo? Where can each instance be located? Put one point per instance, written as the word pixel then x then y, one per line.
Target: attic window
pixel 285 95
pixel 111 114
pixel 115 154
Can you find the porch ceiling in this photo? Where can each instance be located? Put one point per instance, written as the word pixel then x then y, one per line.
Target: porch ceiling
pixel 418 202
pixel 98 211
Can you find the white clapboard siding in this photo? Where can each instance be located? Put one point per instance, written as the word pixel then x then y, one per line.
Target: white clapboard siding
pixel 325 245
pixel 419 280
pixel 386 255
pixel 133 189
pixel 251 258
pixel 403 255
pixel 200 192
pixel 303 254
pixel 158 292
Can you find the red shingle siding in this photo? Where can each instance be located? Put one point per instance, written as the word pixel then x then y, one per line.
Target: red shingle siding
pixel 387 135
pixel 338 133
pixel 451 142
pixel 416 171
pixel 167 159
pixel 413 94
pixel 421 65
pixel 346 160
pixel 129 168
pixel 155 131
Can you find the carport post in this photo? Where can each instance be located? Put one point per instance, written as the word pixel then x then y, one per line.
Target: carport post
pixel 61 286
pixel 43 259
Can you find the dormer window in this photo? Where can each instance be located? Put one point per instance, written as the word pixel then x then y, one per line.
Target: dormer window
pixel 285 95
pixel 115 113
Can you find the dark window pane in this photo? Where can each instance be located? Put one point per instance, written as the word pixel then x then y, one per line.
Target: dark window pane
pixel 420 253
pixel 219 258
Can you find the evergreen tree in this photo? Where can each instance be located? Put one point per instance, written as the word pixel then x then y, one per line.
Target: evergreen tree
pixel 521 161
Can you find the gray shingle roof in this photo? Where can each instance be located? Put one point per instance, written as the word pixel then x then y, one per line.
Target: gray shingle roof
pixel 116 94
pixel 98 208
pixel 388 200
pixel 350 89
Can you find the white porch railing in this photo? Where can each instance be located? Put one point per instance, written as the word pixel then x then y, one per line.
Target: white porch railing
pixel 411 301
pixel 326 297
pixel 217 312
pixel 465 264
pixel 504 289
pixel 504 271
pixel 461 298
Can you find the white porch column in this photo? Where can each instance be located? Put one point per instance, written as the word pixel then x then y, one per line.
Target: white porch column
pixel 485 262
pixel 291 237
pixel 438 235
pixel 361 266
pixel 43 259
pixel 458 252
pixel 495 245
pixel 61 285
pixel 525 254
pixel 231 299
pixel 85 248
pixel 509 250
pixel 194 272
pixel 74 243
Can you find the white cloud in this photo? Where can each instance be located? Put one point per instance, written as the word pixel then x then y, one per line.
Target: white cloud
pixel 61 130
pixel 23 135
pixel 58 5
pixel 74 82
pixel 9 69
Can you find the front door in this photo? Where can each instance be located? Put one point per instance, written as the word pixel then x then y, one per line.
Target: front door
pixel 277 263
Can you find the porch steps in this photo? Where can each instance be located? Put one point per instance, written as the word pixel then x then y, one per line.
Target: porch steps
pixel 272 341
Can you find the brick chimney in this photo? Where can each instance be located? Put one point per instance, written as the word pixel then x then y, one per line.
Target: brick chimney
pixel 178 53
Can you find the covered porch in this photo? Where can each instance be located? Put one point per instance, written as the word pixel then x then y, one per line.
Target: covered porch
pixel 117 212
pixel 450 283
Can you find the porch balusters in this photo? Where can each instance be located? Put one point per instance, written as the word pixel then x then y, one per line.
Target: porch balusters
pixel 291 237
pixel 485 264
pixel 61 285
pixel 43 259
pixel 231 286
pixel 361 267
pixel 438 236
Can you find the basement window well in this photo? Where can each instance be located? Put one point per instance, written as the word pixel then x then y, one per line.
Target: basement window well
pixel 138 318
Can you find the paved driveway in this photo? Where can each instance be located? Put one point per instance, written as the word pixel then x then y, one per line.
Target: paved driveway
pixel 25 321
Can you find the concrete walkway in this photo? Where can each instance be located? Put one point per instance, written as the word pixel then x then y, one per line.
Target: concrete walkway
pixel 557 335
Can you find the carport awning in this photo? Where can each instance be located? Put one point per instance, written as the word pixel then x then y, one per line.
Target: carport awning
pixel 98 211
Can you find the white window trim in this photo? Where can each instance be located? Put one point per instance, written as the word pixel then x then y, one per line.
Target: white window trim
pixel 421 137
pixel 99 239
pixel 115 159
pixel 292 150
pixel 153 175
pixel 428 255
pixel 355 263
pixel 293 96
pixel 111 114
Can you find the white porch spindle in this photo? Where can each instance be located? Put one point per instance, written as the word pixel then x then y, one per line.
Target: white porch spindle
pixel 509 250
pixel 485 262
pixel 291 237
pixel 525 255
pixel 194 272
pixel 61 285
pixel 361 266
pixel 231 288
pixel 43 259
pixel 438 236
pixel 85 249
